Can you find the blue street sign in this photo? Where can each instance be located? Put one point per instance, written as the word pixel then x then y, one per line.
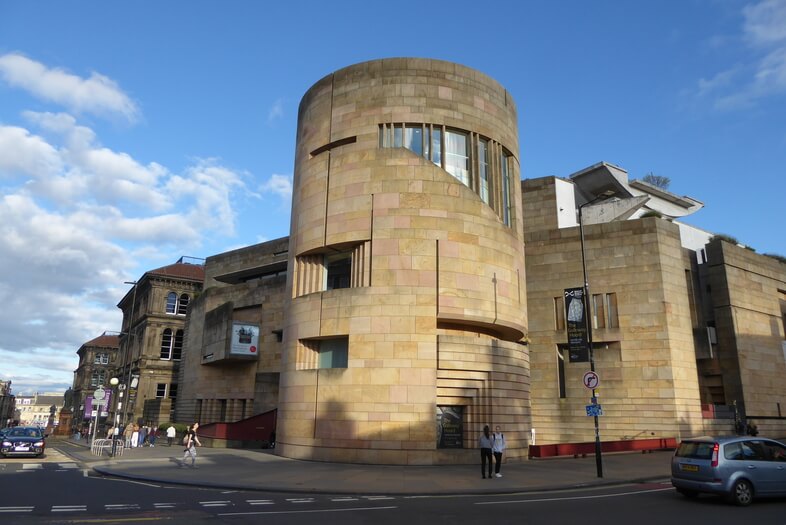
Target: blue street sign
pixel 594 410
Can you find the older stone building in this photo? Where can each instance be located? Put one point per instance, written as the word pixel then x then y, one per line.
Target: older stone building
pixel 151 341
pixel 407 286
pixel 230 369
pixel 97 360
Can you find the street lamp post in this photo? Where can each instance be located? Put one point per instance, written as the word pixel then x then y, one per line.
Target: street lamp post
pixel 588 321
pixel 114 382
pixel 126 392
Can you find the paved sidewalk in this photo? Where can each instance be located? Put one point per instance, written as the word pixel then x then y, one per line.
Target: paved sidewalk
pixel 262 470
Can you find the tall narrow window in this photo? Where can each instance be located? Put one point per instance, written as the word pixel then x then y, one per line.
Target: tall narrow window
pixel 613 316
pixel 182 304
pixel 436 147
pixel 177 346
pixel 161 390
pixel 559 313
pixel 413 138
pixel 166 344
pixel 505 189
pixel 483 169
pixel 171 303
pixel 173 391
pixel 457 155
pixel 598 312
pixel 398 135
pixel 561 372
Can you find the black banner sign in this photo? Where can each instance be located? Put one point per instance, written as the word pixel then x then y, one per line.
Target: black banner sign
pixel 576 321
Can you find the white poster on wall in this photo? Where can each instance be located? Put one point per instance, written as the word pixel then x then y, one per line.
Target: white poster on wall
pixel 245 339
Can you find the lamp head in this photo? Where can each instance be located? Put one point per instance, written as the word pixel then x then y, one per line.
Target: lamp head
pixel 114 381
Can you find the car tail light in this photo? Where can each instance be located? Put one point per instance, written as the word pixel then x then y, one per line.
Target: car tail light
pixel 715 450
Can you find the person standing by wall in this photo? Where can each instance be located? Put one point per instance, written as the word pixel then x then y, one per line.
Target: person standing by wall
pixel 485 445
pixel 498 447
pixel 191 442
pixel 170 435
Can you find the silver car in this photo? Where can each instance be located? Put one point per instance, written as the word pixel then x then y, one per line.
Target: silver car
pixel 739 468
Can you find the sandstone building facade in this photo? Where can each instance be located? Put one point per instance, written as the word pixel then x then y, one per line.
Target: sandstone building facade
pixel 97 361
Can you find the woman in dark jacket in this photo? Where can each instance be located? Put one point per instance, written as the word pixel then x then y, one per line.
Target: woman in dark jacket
pixel 485 445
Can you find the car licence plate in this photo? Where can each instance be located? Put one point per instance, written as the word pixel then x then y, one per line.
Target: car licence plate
pixel 689 468
pixel 21 449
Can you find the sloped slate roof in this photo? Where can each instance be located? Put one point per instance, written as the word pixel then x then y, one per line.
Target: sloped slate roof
pixel 104 340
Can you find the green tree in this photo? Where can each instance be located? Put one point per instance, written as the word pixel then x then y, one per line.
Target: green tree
pixel 657 180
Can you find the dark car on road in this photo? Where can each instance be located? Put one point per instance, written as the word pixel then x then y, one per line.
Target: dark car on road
pixel 738 468
pixel 23 441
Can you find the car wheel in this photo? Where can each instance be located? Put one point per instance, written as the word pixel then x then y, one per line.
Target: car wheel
pixel 688 493
pixel 742 493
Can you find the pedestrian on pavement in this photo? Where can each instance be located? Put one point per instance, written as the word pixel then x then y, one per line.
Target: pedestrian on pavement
pixel 170 435
pixel 135 436
pixel 110 432
pixel 127 433
pixel 485 445
pixel 191 442
pixel 143 435
pixel 152 435
pixel 498 447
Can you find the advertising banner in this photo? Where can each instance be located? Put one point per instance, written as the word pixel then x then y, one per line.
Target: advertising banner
pixel 450 427
pixel 90 405
pixel 576 321
pixel 245 339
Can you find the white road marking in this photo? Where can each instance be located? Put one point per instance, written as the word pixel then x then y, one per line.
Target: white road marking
pixel 344 499
pixel 375 498
pixel 300 500
pixel 572 498
pixel 69 508
pixel 16 509
pixel 260 502
pixel 122 506
pixel 215 503
pixel 260 513
pixel 165 505
pixel 32 466
pixel 68 466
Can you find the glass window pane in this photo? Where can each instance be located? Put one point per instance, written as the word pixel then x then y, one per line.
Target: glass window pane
pixel 598 312
pixel 413 139
pixel 177 347
pixel 182 305
pixel 483 166
pixel 397 136
pixel 436 147
pixel 456 156
pixel 505 189
pixel 339 268
pixel 612 310
pixel 333 353
pixel 171 303
pixel 166 344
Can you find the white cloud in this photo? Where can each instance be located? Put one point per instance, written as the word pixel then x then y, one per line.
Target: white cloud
pixel 97 94
pixel 276 111
pixel 280 185
pixel 24 154
pixel 764 73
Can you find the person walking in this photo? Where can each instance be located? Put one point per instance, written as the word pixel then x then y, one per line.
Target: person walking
pixel 135 436
pixel 143 435
pixel 485 445
pixel 128 433
pixel 191 442
pixel 152 435
pixel 498 447
pixel 170 435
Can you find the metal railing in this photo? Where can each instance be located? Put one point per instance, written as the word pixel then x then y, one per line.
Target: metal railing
pixel 99 446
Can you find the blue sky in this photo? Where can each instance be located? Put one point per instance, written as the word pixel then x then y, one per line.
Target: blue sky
pixel 132 133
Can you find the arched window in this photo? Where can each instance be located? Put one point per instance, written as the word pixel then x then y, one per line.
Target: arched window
pixel 171 303
pixel 182 305
pixel 166 344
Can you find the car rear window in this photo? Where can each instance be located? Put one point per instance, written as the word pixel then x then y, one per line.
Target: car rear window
pixel 695 450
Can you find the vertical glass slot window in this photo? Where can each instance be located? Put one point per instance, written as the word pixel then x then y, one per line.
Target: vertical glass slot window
pixel 173 391
pixel 561 372
pixel 559 313
pixel 457 156
pixel 611 302
pixel 166 344
pixel 505 190
pixel 333 353
pixel 182 304
pixel 177 347
pixel 598 312
pixel 483 168
pixel 413 138
pixel 436 147
pixel 398 134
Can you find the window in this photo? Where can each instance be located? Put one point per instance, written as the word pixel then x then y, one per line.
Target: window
pixel 182 305
pixel 436 146
pixel 333 353
pixel 166 344
pixel 561 372
pixel 559 313
pixel 457 156
pixel 604 311
pixel 504 161
pixel 483 169
pixel 338 269
pixel 160 390
pixel 97 378
pixel 173 391
pixel 598 311
pixel 611 310
pixel 413 139
pixel 171 345
pixel 171 303
pixel 101 359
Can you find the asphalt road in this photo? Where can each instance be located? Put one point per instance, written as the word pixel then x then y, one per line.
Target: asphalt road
pixel 56 490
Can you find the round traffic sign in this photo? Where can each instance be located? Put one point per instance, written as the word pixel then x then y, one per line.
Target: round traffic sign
pixel 100 393
pixel 591 380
